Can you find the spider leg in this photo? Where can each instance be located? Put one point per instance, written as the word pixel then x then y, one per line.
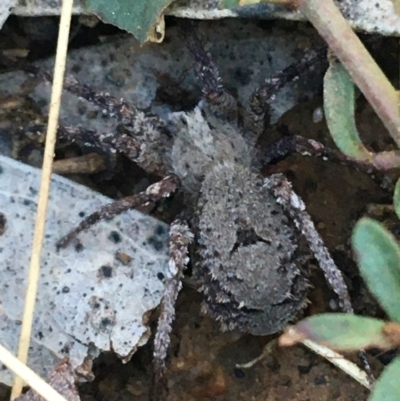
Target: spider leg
pixel 213 90
pixel 116 142
pixel 282 190
pixel 258 115
pixel 290 144
pixel 111 106
pixel 180 238
pixel 153 193
pixel 145 138
pixel 222 101
pixel 261 99
pixel 108 142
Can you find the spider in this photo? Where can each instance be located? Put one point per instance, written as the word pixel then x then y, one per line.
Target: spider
pixel 253 236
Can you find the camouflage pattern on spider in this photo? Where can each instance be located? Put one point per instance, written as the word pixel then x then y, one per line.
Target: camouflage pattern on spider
pixel 253 235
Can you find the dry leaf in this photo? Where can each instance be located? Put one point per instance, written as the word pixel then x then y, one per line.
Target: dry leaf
pixel 87 296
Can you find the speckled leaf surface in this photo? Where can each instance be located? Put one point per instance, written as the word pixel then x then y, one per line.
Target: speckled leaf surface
pixel 365 15
pixel 146 74
pixel 5 8
pixel 98 291
pixel 138 17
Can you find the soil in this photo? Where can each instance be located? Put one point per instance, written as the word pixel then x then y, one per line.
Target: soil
pixel 202 359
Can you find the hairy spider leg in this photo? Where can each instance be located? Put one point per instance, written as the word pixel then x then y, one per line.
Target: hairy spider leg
pixel 144 138
pixel 290 144
pixel 285 195
pixel 180 238
pixel 261 99
pixel 153 193
pixel 207 72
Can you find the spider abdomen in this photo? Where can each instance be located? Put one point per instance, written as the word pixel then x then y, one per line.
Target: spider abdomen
pixel 254 260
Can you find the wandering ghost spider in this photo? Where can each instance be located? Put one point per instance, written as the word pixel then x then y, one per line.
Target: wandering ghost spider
pixel 254 237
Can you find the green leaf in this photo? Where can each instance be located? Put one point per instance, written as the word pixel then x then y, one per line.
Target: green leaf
pixel 143 18
pixel 239 3
pixel 339 112
pixel 342 331
pixel 230 3
pixel 396 199
pixel 378 256
pixel 387 388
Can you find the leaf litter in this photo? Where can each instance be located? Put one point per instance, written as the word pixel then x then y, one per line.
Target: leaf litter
pixel 94 296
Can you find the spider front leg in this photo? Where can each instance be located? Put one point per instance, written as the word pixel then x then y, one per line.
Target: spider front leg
pixel 107 142
pixel 180 238
pixel 153 193
pixel 207 72
pixel 143 139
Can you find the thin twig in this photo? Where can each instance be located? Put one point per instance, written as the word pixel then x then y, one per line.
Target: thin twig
pixel 341 362
pixel 29 376
pixel 347 47
pixel 34 268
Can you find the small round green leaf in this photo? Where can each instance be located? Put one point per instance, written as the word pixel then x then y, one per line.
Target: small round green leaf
pixel 396 199
pixel 343 331
pixel 339 112
pixel 239 3
pixel 378 257
pixel 387 388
